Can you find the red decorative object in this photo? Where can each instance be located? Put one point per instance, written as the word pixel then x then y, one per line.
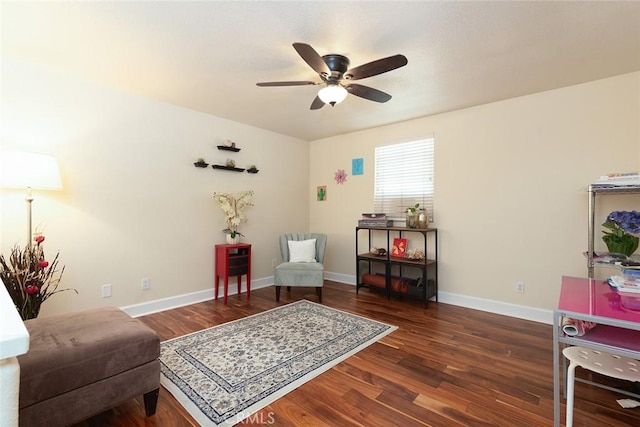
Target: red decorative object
pixel 233 260
pixel 399 247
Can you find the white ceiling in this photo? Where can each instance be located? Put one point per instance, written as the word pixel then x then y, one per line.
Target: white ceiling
pixel 208 55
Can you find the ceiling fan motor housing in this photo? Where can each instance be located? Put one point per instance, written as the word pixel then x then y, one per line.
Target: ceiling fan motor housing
pixel 338 65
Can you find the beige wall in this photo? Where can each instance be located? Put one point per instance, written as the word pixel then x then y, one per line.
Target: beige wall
pixel 510 180
pixel 510 185
pixel 133 204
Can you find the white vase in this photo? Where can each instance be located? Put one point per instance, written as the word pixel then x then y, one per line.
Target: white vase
pixel 233 240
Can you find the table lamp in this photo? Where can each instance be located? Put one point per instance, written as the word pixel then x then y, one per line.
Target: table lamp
pixel 31 171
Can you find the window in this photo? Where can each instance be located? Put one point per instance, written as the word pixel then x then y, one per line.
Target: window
pixel 403 177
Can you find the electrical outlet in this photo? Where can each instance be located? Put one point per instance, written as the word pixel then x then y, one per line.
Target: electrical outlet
pixel 520 287
pixel 273 262
pixel 106 291
pixel 145 284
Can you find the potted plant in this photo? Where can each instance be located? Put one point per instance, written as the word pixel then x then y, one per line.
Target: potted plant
pixel 623 225
pixel 29 278
pixel 412 216
pixel 200 163
pixel 233 208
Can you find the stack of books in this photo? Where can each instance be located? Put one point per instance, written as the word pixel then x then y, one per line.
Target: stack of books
pixel 622 284
pixel 618 180
pixel 374 220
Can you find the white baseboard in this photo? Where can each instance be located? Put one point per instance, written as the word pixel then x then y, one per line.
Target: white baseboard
pixel 491 306
pixel 155 306
pixel 498 307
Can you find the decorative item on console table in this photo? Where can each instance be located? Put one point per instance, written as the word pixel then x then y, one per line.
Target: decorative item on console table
pixel 623 225
pixel 233 237
pixel 412 216
pixel 423 218
pixel 399 247
pixel 374 220
pixel 233 208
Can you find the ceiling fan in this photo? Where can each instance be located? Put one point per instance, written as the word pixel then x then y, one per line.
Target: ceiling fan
pixel 335 74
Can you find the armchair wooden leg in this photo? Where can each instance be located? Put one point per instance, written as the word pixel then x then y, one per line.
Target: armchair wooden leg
pixel 277 293
pixel 319 293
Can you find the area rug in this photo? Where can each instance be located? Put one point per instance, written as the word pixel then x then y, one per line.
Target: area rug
pixel 223 374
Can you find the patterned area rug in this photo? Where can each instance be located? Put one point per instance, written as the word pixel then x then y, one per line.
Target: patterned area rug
pixel 223 374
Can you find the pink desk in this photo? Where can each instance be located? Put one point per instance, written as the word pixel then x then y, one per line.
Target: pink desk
pixel 618 331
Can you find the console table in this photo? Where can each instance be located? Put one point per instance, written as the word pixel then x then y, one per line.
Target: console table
pixel 617 315
pixel 233 260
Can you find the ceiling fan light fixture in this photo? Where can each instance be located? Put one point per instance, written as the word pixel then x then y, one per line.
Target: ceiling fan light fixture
pixel 332 94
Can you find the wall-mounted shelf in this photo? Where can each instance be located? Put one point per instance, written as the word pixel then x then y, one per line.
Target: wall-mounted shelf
pixel 228 168
pixel 225 148
pixel 201 164
pixel 253 170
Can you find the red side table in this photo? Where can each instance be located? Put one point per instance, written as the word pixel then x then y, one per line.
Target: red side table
pixel 233 260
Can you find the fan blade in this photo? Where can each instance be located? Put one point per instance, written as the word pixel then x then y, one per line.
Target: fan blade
pixel 376 67
pixel 294 83
pixel 317 104
pixel 312 58
pixel 367 92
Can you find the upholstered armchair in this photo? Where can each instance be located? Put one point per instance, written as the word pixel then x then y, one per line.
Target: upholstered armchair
pixel 302 255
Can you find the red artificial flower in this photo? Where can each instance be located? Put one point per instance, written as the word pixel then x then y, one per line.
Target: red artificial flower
pixel 32 289
pixel 43 264
pixel 39 239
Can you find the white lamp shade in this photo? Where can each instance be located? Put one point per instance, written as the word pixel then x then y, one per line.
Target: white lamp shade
pixel 29 170
pixel 332 94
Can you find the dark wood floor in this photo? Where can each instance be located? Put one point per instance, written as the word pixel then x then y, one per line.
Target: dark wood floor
pixel 444 366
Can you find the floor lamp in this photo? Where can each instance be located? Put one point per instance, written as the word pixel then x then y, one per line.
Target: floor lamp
pixel 31 171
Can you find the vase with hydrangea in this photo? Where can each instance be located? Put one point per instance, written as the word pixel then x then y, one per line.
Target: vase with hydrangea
pixel 233 208
pixel 620 236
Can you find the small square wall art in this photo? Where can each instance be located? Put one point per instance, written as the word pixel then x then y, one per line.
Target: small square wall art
pixel 321 192
pixel 357 166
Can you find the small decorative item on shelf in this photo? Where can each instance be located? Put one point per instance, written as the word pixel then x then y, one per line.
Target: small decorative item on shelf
pixel 252 169
pixel 378 251
pixel 399 247
pixel 623 226
pixel 29 278
pixel 230 163
pixel 414 254
pixel 233 208
pixel 200 163
pixel 412 216
pixel 228 145
pixel 423 218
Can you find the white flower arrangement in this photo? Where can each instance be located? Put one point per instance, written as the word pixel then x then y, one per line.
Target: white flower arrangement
pixel 233 208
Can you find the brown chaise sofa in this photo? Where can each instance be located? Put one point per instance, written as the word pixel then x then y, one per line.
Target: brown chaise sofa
pixel 84 363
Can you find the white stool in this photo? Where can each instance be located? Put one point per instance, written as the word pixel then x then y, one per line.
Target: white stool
pixel 601 362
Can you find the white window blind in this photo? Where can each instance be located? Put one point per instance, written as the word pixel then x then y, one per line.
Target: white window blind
pixel 403 177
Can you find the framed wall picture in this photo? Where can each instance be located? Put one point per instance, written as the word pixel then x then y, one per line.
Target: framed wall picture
pixel 399 247
pixel 321 192
pixel 357 166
